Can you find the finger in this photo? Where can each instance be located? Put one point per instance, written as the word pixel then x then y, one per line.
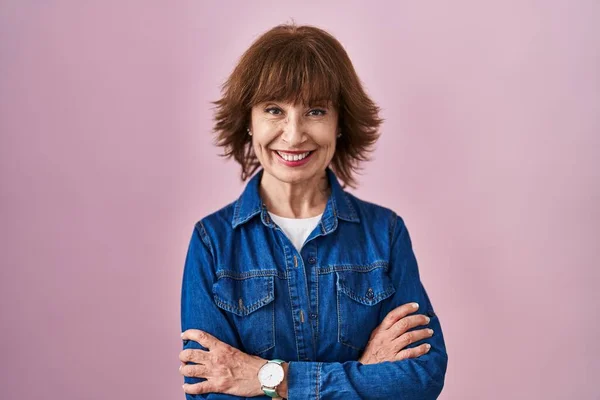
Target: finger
pixel 413 352
pixel 205 339
pixel 198 388
pixel 194 371
pixel 398 313
pixel 409 322
pixel 193 355
pixel 411 337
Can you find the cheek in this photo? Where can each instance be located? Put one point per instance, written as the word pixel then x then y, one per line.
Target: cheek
pixel 261 148
pixel 328 145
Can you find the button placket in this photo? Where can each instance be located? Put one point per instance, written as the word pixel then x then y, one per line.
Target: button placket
pixel 309 254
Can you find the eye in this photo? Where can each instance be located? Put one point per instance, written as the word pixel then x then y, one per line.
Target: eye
pixel 273 110
pixel 317 110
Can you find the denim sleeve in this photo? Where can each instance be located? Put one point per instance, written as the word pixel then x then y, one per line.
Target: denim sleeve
pixel 198 310
pixel 420 378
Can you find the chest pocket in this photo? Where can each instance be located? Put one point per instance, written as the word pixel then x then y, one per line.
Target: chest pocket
pixel 249 301
pixel 359 296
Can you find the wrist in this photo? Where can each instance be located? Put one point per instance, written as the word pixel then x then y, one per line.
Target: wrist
pixel 282 388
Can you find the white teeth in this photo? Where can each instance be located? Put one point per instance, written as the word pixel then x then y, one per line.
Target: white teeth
pixel 293 157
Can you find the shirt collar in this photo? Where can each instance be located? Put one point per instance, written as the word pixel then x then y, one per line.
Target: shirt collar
pixel 249 204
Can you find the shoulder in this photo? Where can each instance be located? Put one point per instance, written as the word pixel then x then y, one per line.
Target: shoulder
pixel 371 210
pixel 217 221
pixel 372 213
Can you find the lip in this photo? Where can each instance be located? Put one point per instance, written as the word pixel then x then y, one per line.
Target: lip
pixel 298 163
pixel 293 151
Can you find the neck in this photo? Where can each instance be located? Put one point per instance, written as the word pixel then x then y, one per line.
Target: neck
pixel 295 200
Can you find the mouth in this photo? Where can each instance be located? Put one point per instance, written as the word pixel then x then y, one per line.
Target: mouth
pixel 294 158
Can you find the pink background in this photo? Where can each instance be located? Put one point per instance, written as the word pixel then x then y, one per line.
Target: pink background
pixel 489 151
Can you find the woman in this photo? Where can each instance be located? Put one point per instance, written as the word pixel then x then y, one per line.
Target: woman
pixel 299 289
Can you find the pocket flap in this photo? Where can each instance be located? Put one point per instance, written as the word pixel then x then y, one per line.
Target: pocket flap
pixel 243 296
pixel 366 287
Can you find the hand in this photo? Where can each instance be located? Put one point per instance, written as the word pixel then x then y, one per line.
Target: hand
pixel 227 369
pixel 391 336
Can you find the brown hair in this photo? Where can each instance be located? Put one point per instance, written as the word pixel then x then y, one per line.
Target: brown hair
pixel 298 64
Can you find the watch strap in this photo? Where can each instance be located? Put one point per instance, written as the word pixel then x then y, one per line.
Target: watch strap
pixel 271 392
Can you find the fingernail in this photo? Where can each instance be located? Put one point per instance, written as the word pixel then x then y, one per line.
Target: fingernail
pixel 182 335
pixel 428 346
pixel 415 305
pixel 430 331
pixel 427 319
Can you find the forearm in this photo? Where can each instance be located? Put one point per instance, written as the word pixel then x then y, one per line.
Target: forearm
pixel 419 378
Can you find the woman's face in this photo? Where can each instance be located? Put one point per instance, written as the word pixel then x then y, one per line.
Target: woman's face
pixel 294 143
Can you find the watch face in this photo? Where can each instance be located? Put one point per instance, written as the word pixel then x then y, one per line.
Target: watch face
pixel 270 374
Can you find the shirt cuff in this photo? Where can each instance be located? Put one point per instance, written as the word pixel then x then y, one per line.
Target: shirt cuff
pixel 304 380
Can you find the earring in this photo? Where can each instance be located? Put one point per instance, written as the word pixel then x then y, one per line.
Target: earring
pixel 339 135
pixel 249 133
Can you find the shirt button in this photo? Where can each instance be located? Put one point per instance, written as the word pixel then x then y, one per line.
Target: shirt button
pixel 312 260
pixel 313 316
pixel 370 293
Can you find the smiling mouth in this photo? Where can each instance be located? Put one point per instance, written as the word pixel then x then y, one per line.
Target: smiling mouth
pixel 291 157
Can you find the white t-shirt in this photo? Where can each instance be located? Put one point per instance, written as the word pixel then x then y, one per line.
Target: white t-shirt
pixel 296 229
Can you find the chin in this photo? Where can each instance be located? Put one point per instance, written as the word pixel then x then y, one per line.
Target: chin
pixel 289 175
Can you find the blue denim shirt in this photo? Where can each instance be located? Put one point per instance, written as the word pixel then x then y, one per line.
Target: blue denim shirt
pixel 246 284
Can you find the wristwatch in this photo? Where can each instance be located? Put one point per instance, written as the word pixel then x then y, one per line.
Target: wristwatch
pixel 270 375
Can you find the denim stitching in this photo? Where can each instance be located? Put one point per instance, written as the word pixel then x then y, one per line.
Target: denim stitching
pixel 317 380
pixel 285 257
pixel 224 273
pixel 243 311
pixel 236 212
pixel 354 267
pixel 307 289
pixel 353 214
pixel 317 290
pixel 339 314
pixel 273 325
pixel 204 237
pixel 364 300
pixel 248 217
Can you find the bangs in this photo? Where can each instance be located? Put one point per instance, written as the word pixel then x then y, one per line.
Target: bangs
pixel 295 74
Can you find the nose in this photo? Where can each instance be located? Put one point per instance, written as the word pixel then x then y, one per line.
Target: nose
pixel 293 133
